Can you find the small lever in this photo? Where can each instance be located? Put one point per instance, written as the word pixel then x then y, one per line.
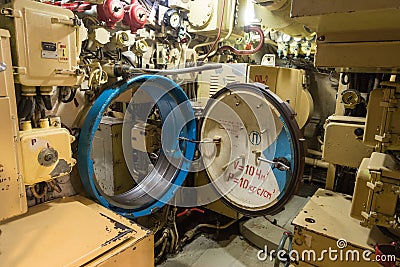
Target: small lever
pixel 215 140
pixel 277 164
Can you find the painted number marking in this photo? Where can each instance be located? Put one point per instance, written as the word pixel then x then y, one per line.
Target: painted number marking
pixel 255 138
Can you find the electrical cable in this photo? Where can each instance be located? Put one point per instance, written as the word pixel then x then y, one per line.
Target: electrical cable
pixel 127 59
pixel 71 96
pixel 219 30
pixel 47 102
pixel 53 184
pixel 24 107
pixel 36 194
pixel 191 233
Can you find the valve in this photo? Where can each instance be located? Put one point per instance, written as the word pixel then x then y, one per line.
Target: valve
pixel 111 11
pixel 135 17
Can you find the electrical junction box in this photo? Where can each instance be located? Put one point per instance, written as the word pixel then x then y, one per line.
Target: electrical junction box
pixel 342 146
pixel 205 16
pixel 46 153
pixel 211 81
pixel 45 43
pixel 376 192
pixel 382 126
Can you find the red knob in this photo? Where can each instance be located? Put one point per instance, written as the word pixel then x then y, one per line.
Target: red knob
pixel 111 11
pixel 135 17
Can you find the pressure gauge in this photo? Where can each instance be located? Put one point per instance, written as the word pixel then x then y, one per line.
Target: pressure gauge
pixel 351 98
pixel 172 18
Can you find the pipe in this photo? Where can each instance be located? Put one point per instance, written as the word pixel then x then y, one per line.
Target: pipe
pixel 53 184
pixel 175 228
pixel 36 194
pixel 314 152
pixel 317 163
pixel 221 40
pixel 286 235
pixel 159 241
pixel 190 234
pixel 180 71
pixel 159 255
pixel 246 52
pixel 219 30
pixel 173 241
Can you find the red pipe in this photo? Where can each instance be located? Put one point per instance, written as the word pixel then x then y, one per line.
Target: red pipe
pixel 189 211
pixel 246 52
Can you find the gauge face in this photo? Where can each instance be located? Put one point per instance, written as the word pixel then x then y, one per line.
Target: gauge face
pixel 174 21
pixel 172 18
pixel 350 97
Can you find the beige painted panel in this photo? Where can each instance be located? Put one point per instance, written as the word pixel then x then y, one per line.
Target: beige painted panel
pixel 289 85
pixel 342 146
pixel 12 189
pixel 382 56
pixel 34 142
pixel 6 80
pixel 331 223
pixel 319 7
pixel 349 16
pixel 72 232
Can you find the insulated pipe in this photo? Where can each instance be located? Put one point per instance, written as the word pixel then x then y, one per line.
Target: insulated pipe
pixel 157 259
pixel 179 71
pixel 159 241
pixel 314 152
pixel 317 163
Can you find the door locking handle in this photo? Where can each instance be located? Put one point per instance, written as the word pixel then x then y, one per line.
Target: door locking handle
pixel 277 164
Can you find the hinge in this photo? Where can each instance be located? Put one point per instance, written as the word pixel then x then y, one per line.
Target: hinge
pixel 19 70
pixel 9 12
pixel 305 81
pixel 376 186
pixel 385 138
pixel 76 22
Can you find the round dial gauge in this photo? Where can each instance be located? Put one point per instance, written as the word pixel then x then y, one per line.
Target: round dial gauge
pixel 172 18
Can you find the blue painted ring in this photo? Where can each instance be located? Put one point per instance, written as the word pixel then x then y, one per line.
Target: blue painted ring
pixel 92 122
